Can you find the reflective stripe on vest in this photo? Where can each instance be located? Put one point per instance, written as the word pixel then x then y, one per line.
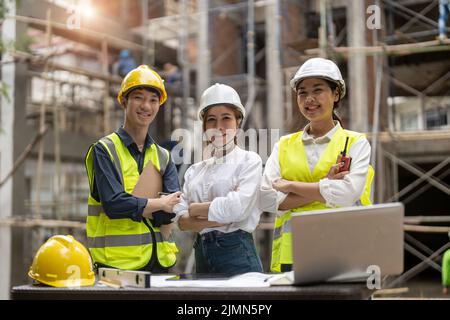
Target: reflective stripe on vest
pixel 110 144
pixel 94 210
pixel 120 240
pixel 124 240
pixel 163 159
pixel 278 231
pixel 124 243
pixel 294 167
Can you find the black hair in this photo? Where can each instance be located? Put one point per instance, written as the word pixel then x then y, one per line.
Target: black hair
pixel 333 86
pixel 149 89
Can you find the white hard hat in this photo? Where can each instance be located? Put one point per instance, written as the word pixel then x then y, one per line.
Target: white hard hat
pixel 320 68
pixel 220 94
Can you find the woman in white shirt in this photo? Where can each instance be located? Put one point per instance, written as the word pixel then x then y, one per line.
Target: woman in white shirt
pixel 219 199
pixel 306 170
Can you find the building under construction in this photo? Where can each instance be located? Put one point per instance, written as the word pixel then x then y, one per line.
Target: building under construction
pixel 60 78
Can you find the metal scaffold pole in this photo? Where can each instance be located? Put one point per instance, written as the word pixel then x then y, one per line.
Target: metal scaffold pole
pixel 357 68
pixel 184 59
pixel 105 71
pixel 42 116
pixel 251 87
pixel 58 192
pixel 203 57
pixel 323 39
pixel 378 68
pixel 7 113
pixel 275 114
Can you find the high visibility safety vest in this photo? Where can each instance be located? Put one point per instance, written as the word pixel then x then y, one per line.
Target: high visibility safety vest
pixel 124 243
pixel 294 166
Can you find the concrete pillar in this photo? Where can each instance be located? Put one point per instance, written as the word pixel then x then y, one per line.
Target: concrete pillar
pixel 203 57
pixel 275 107
pixel 7 151
pixel 357 69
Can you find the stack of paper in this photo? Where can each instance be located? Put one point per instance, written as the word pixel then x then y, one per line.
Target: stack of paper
pixel 246 280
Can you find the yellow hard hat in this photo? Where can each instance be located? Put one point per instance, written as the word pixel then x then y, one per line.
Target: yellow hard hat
pixel 62 261
pixel 142 76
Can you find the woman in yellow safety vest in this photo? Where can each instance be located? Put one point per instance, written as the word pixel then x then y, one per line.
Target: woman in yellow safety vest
pixel 306 170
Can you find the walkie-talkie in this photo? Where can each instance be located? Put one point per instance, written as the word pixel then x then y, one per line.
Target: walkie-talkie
pixel 345 160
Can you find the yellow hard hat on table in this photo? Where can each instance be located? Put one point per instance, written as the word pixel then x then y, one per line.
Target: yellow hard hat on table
pixel 62 261
pixel 142 76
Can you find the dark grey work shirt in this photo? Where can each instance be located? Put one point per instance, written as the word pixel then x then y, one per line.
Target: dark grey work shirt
pixel 108 188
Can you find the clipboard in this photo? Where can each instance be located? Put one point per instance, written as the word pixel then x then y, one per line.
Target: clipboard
pixel 148 186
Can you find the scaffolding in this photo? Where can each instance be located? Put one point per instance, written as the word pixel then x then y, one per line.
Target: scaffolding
pixel 191 22
pixel 54 78
pixel 373 56
pixel 411 37
pixel 61 102
pixel 391 147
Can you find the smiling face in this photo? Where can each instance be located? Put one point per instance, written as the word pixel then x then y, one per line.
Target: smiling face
pixel 141 107
pixel 220 124
pixel 315 99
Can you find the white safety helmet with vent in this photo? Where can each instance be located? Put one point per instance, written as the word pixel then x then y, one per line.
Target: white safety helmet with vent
pixel 320 68
pixel 220 94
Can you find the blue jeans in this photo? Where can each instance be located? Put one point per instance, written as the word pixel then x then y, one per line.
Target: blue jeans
pixel 226 253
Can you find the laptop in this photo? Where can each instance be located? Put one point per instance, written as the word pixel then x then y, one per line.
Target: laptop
pixel 347 244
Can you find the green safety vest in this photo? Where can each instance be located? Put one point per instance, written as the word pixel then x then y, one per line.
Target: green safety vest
pixel 124 243
pixel 294 166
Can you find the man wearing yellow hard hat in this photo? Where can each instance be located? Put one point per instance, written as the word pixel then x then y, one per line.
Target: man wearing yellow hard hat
pixel 122 229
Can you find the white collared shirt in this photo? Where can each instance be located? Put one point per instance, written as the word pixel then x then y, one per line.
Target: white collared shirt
pixel 342 193
pixel 232 183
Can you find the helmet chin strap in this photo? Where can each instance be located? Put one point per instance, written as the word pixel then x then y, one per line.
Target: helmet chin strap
pixel 224 148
